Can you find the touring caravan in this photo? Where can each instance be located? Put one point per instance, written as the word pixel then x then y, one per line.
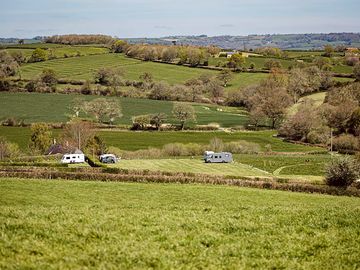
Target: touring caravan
pixel 73 158
pixel 222 157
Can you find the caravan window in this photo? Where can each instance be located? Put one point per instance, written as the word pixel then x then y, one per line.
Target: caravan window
pixel 219 156
pixel 216 156
pixel 67 157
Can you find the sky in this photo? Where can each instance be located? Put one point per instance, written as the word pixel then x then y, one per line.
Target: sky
pixel 158 18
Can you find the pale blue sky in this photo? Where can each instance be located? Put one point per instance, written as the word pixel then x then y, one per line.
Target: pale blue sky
pixel 155 18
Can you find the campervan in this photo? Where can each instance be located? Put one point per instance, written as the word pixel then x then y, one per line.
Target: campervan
pixel 108 158
pixel 222 157
pixel 73 158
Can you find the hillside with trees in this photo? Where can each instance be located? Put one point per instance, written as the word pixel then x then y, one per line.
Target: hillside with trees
pixel 285 41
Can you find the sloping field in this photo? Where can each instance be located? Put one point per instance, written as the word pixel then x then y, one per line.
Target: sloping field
pixel 318 99
pixel 85 66
pixel 294 164
pixel 257 61
pixel 97 225
pixel 62 51
pixel 191 166
pixel 36 107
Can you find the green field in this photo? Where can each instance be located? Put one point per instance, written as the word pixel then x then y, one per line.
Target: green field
pixel 192 166
pixel 318 99
pixel 258 61
pixel 287 164
pixel 307 168
pixel 131 141
pixel 61 51
pixel 81 68
pixel 36 107
pixel 97 225
pixel 142 140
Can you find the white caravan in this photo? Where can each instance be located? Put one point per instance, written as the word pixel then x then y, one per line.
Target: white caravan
pixel 73 158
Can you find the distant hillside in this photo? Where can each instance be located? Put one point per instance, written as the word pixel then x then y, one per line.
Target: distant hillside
pixel 16 40
pixel 288 41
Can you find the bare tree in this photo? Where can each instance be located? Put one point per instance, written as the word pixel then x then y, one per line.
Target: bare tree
pixel 76 134
pixel 271 100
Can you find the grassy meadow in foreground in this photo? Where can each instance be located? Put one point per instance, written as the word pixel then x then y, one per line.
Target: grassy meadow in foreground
pixel 68 224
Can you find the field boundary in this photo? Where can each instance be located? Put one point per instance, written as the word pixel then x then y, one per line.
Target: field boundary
pixel 120 175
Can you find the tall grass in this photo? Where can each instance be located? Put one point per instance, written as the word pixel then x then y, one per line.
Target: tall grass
pixel 73 225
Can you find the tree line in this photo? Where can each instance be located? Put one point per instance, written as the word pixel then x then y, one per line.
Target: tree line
pixel 75 39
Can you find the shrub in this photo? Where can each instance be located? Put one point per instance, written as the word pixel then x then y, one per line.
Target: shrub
pixel 139 154
pixel 194 149
pixel 31 86
pixel 140 122
pixel 242 147
pixel 216 145
pixel 86 89
pixel 109 76
pixel 49 77
pixel 10 122
pixel 341 172
pixel 8 149
pixel 320 135
pixel 40 139
pixel 175 149
pixel 210 126
pixel 38 55
pixel 346 143
pixel 5 85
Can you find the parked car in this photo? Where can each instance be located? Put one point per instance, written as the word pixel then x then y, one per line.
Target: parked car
pixel 73 158
pixel 108 158
pixel 222 157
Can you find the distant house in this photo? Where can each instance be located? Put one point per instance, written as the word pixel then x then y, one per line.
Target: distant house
pixel 352 52
pixel 229 54
pixel 226 54
pixel 243 54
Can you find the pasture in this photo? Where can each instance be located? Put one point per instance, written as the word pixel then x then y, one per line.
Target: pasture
pixel 131 141
pixel 72 225
pixel 191 166
pixel 259 62
pixel 304 169
pixel 37 107
pixel 63 51
pixel 142 140
pixel 318 99
pixel 286 164
pixel 83 68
